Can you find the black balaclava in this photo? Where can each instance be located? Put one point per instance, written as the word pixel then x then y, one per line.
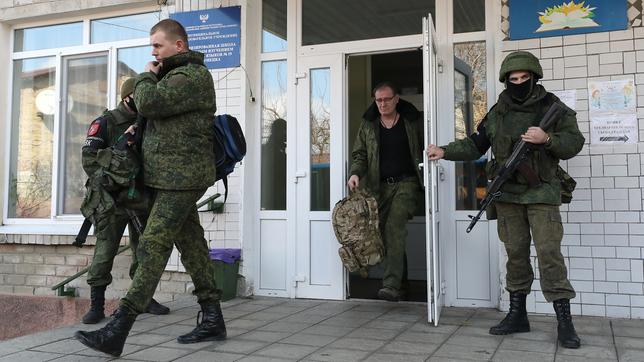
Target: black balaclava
pixel 521 92
pixel 130 103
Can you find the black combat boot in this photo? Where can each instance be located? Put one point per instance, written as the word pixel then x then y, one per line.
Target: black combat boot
pixel 566 333
pixel 96 311
pixel 157 308
pixel 211 327
pixel 111 338
pixel 517 319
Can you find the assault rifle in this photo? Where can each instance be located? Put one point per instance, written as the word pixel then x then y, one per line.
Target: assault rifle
pixel 517 162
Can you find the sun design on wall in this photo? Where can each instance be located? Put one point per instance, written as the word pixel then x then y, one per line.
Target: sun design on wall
pixel 567 16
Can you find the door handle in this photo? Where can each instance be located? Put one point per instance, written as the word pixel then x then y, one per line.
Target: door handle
pixel 299 175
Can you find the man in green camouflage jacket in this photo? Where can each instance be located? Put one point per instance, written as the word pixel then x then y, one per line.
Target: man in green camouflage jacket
pixel 386 152
pixel 527 212
pixel 109 225
pixel 176 95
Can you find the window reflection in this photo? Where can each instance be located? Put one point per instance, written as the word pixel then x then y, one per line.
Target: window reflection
pixel 273 25
pixel 131 61
pixel 48 37
pixel 320 119
pixel 84 98
pixel 273 151
pixel 328 21
pixel 122 27
pixel 470 106
pixel 33 108
pixel 469 15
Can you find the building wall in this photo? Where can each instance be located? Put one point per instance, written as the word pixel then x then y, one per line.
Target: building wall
pixel 604 232
pixel 32 263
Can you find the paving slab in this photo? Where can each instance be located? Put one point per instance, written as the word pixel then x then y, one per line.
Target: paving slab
pixel 337 354
pixel 209 356
pixel 274 329
pixel 158 354
pixel 287 351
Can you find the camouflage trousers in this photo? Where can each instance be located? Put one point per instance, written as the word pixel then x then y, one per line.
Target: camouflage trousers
pixel 397 204
pixel 109 232
pixel 173 221
pixel 519 224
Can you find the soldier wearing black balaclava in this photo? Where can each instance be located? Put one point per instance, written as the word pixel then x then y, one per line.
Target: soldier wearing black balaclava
pixel 528 209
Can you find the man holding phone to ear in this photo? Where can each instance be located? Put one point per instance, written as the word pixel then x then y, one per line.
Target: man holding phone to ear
pixel 176 95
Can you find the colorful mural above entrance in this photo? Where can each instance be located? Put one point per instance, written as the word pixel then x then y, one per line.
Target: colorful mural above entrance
pixel 540 18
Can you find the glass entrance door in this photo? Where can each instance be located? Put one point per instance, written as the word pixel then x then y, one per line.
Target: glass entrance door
pixel 318 177
pixel 430 175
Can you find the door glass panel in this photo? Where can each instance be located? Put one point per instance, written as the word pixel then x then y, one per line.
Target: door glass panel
pixel 470 106
pixel 469 15
pixel 131 62
pixel 122 27
pixel 48 37
pixel 320 123
pixel 273 152
pixel 273 25
pixel 33 108
pixel 84 98
pixel 332 21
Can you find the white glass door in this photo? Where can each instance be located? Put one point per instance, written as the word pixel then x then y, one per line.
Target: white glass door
pixel 430 174
pixel 319 176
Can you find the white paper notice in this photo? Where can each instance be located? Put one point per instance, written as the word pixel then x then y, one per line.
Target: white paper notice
pixel 569 97
pixel 612 112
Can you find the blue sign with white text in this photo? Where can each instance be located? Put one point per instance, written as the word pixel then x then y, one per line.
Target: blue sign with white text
pixel 542 18
pixel 214 32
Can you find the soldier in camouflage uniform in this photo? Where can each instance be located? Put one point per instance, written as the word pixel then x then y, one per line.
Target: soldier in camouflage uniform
pixel 110 225
pixel 388 146
pixel 526 212
pixel 176 94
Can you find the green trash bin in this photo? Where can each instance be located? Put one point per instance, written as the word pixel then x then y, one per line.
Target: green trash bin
pixel 226 271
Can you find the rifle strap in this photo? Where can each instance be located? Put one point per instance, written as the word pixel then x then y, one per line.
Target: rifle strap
pixel 82 233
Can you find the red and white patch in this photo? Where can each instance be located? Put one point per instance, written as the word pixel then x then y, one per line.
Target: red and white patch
pixel 94 128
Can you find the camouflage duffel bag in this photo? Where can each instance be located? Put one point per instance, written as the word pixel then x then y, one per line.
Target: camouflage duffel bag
pixel 355 223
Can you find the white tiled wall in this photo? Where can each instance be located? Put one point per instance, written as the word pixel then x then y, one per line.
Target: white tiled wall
pixel 604 235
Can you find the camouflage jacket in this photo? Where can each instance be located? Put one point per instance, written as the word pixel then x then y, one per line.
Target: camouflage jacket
pixel 110 172
pixel 366 151
pixel 103 133
pixel 179 104
pixel 502 128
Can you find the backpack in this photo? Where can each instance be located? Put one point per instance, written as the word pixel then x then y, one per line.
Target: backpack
pixel 229 146
pixel 355 223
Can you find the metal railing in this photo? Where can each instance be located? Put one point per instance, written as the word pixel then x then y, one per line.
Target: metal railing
pixel 60 289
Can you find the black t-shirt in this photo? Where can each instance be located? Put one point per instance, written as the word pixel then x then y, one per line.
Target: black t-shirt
pixel 395 159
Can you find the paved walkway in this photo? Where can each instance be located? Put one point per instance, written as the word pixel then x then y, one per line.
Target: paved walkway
pixel 272 329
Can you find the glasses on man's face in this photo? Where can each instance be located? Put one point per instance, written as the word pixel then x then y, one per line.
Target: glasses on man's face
pixel 384 99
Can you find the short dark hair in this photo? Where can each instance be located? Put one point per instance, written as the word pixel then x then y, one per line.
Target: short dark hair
pixel 385 84
pixel 172 29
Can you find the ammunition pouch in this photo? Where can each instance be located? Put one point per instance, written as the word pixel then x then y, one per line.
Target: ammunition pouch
pixel 568 185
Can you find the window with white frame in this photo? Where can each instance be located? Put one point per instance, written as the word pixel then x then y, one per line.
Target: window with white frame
pixel 63 77
pixel 273 118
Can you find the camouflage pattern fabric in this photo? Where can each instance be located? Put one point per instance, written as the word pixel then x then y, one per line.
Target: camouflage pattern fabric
pixel 517 225
pixel 109 232
pixel 179 105
pixel 355 223
pixel 504 125
pixel 178 166
pixel 109 171
pixel 173 220
pixel 397 204
pixel 366 155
